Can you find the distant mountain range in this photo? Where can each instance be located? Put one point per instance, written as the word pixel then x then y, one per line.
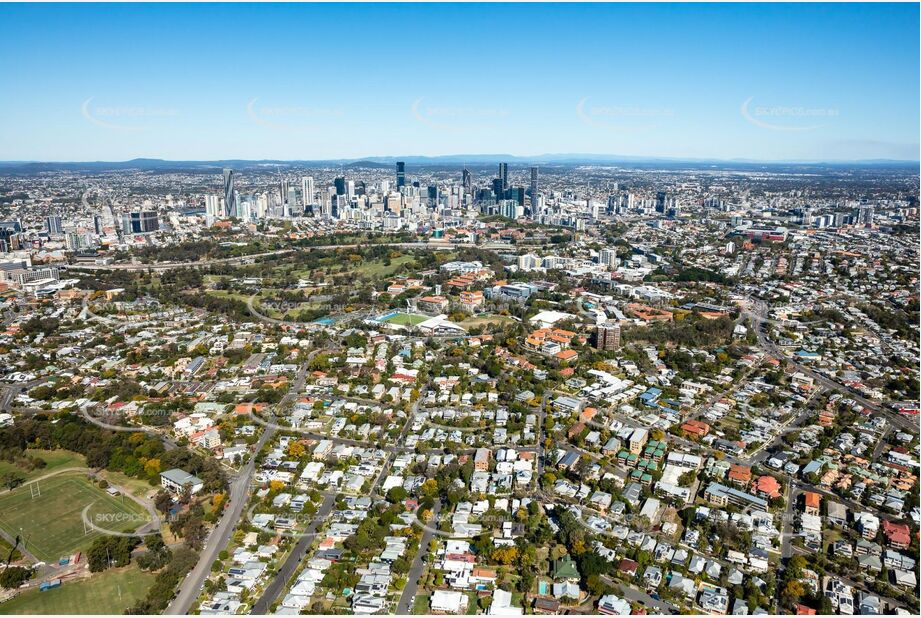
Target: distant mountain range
pixel 472 160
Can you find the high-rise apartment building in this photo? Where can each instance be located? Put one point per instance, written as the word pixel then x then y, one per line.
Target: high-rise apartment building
pixel 140 222
pixel 533 184
pixel 607 337
pixel 54 225
pixel 307 191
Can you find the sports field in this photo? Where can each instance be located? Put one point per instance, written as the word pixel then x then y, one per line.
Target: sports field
pixel 54 459
pixel 403 319
pixel 52 523
pixel 110 592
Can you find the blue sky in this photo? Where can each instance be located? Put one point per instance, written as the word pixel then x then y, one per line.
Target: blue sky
pixel 753 81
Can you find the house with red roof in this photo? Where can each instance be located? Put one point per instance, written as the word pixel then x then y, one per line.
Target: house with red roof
pixel 767 487
pixel 739 474
pixel 696 428
pixel 897 535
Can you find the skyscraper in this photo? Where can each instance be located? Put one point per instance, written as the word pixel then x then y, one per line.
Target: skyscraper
pixel 230 195
pixel 340 185
pixel 212 207
pixel 661 199
pixel 865 215
pixel 534 190
pixel 307 191
pixel 401 174
pixel 467 180
pixel 284 191
pixel 503 175
pixel 497 189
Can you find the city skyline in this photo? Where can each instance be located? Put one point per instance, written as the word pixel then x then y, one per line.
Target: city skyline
pixel 771 83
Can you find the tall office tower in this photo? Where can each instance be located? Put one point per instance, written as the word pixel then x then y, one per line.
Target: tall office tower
pixel 433 194
pixel 307 191
pixel 533 183
pixel 54 225
pixel 607 337
pixel 230 194
pixel 283 190
pixel 323 203
pixel 515 194
pixel 661 199
pixel 97 225
pixel 401 174
pixel 467 180
pixel 497 189
pixel 340 185
pixel 503 175
pixel 350 190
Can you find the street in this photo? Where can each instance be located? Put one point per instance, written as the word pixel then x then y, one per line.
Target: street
pixel 415 572
pixel 280 580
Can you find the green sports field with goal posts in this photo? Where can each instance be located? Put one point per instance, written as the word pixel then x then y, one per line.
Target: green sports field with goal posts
pixel 48 515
